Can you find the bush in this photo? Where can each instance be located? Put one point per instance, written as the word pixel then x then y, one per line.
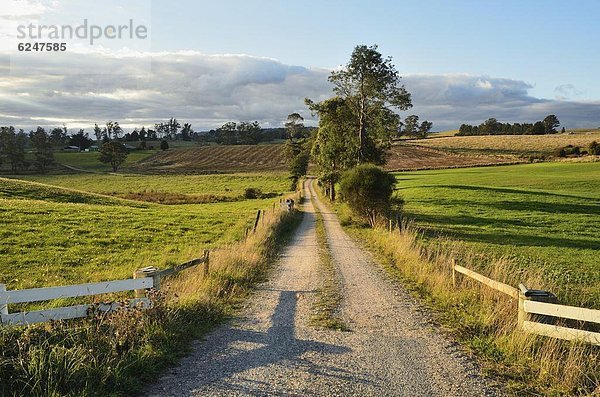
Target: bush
pixel 571 150
pixel 595 148
pixel 252 193
pixel 367 190
pixel 164 145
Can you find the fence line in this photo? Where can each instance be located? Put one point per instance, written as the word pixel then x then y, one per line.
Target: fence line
pixel 539 311
pixel 143 280
pixel 71 291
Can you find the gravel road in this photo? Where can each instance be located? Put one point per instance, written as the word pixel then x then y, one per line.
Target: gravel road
pixel 391 350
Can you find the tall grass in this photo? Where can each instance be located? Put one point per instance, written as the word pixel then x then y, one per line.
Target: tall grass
pixel 117 354
pixel 484 320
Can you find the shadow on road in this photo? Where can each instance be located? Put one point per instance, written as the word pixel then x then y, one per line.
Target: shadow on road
pixel 239 350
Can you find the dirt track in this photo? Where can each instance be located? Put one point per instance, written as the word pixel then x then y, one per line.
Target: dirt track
pixel 391 350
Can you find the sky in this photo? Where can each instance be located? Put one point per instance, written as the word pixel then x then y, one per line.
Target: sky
pixel 209 62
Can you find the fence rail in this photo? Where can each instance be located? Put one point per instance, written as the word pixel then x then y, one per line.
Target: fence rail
pixel 143 280
pixel 69 312
pixel 497 285
pixel 72 291
pixel 539 311
pixel 555 331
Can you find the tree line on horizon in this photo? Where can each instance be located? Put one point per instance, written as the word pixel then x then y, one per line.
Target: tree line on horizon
pixel 14 144
pixel 493 127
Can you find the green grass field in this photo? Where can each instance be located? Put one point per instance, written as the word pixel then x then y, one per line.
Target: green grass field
pixel 54 236
pixel 231 185
pixel 545 216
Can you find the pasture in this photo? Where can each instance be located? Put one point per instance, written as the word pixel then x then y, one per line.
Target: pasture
pixel 67 230
pixel 224 185
pixel 544 216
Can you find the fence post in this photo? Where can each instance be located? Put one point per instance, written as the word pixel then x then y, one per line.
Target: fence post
pixel 149 271
pixel 537 296
pixel 256 221
pixel 522 316
pixel 453 263
pixel 3 307
pixel 206 262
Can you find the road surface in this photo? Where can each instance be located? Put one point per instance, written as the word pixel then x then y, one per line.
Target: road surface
pixel 271 349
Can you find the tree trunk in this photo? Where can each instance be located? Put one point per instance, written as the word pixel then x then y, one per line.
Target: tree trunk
pixel 361 132
pixel 332 191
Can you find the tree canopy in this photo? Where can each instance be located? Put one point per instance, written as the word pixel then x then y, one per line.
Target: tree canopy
pixel 334 147
pixel 43 150
pixel 370 86
pixel 113 153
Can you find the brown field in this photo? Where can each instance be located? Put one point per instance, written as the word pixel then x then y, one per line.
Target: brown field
pixel 238 158
pixel 409 156
pixel 444 133
pixel 211 159
pixel 510 145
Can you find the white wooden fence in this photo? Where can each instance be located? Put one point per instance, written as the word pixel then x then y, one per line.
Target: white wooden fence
pixel 144 279
pixel 539 317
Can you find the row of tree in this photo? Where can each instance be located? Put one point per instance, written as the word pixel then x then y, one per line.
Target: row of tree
pixel 13 145
pixel 493 127
pixel 230 133
pixel 242 133
pixel 167 130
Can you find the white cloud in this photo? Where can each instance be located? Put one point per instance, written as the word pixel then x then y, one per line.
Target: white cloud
pixel 13 9
pixel 208 90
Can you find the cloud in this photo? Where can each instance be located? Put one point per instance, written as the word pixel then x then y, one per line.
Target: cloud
pixel 207 90
pixel 567 91
pixel 139 88
pixel 452 99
